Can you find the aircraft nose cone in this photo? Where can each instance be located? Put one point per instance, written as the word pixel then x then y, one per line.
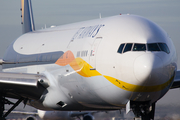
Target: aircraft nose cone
pixel 148 69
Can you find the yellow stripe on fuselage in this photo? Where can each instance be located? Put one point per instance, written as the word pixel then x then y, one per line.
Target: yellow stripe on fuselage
pixel 137 88
pixel 84 69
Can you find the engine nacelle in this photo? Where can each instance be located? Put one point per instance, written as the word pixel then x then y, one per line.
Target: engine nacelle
pixel 64 115
pixel 30 118
pixel 54 115
pixel 88 117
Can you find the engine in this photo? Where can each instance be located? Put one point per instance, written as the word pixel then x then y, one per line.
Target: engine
pixel 30 118
pixel 53 115
pixel 88 117
pixel 63 115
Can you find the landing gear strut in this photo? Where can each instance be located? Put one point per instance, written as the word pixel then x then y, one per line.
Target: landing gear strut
pixel 4 101
pixel 143 110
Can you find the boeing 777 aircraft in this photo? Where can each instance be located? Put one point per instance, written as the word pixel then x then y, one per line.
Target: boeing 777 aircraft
pixel 123 61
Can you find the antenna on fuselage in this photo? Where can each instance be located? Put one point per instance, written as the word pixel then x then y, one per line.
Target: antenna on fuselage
pixel 99 15
pixel 27 16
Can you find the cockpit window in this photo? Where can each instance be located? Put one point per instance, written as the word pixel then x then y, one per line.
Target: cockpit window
pixel 139 47
pixel 153 47
pixel 164 47
pixel 125 47
pixel 121 48
pixel 128 47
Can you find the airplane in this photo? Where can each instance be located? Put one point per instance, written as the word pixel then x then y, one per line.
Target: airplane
pixel 123 61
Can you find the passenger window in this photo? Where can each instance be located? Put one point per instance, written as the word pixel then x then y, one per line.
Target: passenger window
pixel 139 47
pixel 121 48
pixel 164 47
pixel 153 47
pixel 127 47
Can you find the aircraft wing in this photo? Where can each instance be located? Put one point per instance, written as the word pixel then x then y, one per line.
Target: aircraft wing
pixel 176 83
pixel 18 85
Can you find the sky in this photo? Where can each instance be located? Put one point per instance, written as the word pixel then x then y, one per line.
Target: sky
pixel 166 13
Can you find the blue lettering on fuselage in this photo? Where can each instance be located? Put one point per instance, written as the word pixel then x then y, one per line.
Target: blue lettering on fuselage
pixel 90 31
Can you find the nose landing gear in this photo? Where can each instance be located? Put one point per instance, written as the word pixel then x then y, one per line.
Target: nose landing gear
pixel 143 110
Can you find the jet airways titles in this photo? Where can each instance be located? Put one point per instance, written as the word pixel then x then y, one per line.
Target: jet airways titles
pixel 90 31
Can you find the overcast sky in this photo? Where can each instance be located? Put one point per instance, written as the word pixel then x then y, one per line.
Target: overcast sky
pixel 165 13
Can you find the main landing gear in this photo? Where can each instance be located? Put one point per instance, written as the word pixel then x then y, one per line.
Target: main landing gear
pixel 4 101
pixel 143 110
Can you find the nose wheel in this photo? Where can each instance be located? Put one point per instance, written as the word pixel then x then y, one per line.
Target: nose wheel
pixel 143 110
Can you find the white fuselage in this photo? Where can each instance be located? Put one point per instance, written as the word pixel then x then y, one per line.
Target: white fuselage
pixel 84 68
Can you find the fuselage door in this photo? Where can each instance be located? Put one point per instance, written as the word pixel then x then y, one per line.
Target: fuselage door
pixel 94 50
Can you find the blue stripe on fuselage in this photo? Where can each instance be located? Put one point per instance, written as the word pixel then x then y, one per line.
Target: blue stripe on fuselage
pixel 13 59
